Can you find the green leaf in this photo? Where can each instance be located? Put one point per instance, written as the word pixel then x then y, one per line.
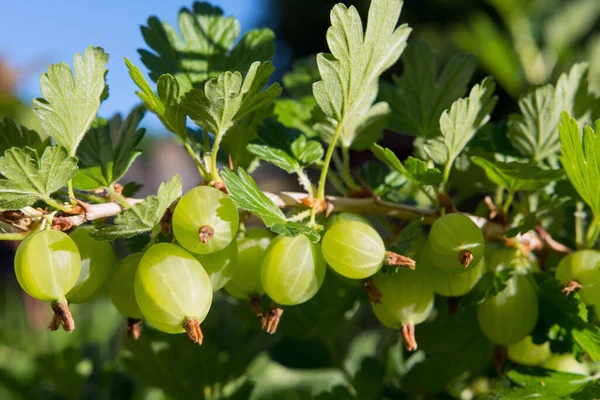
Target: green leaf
pixel 166 103
pixel 102 162
pixel 350 75
pixel 516 176
pixel 464 118
pixel 204 49
pixel 246 195
pixel 425 89
pixel 543 384
pixel 580 157
pixel 287 148
pixel 230 97
pixel 534 132
pixel 490 284
pixel 298 82
pixel 526 225
pixel 71 101
pixel 409 235
pixel 15 135
pixel 30 178
pixel 413 169
pixel 297 114
pixel 141 217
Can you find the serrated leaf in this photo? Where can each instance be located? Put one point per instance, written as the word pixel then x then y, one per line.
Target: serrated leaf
pixel 166 103
pixel 230 97
pixel 410 234
pixel 580 157
pixel 15 135
pixel 103 162
pixel 297 114
pixel 490 284
pixel 71 100
pixel 350 74
pixel 287 148
pixel 413 169
pixel 425 89
pixel 517 176
pixel 464 118
pixel 205 48
pixel 246 195
pixel 141 217
pixel 534 132
pixel 543 384
pixel 30 178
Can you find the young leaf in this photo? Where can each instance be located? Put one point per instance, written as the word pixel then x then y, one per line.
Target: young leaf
pixel 102 162
pixel 534 132
pixel 246 195
pixel 287 148
pixel 351 73
pixel 141 217
pixel 460 123
pixel 413 169
pixel 14 135
pixel 204 49
pixel 71 102
pixel 30 178
pixel 516 176
pixel 425 89
pixel 297 114
pixel 166 103
pixel 580 157
pixel 230 97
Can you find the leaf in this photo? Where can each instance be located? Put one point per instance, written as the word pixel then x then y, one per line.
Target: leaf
pixel 287 148
pixel 230 97
pixel 246 195
pixel 205 48
pixel 141 217
pixel 526 225
pixel 414 169
pixel 425 89
pixel 166 103
pixel 517 176
pixel 30 178
pixel 490 284
pixel 541 383
pixel 101 162
pixel 71 101
pixel 580 158
pixel 15 135
pixel 350 75
pixel 298 82
pixel 570 23
pixel 409 235
pixel 534 132
pixel 297 114
pixel 464 118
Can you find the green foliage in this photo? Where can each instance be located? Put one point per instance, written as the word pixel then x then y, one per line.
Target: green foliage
pixel 72 99
pixel 205 49
pixel 141 217
pixel 425 89
pixel 350 74
pixel 29 178
pixel 15 135
pixel 102 162
pixel 413 169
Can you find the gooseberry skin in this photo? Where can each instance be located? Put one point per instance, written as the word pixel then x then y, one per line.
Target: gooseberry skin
pixel 449 236
pixel 220 265
pixel 525 352
pixel 565 363
pixel 97 261
pixel 247 277
pixel 171 286
pixel 406 297
pixel 353 249
pixel 293 270
pixel 451 284
pixel 345 216
pixel 582 266
pixel 121 287
pixel 205 206
pixel 512 314
pixel 47 265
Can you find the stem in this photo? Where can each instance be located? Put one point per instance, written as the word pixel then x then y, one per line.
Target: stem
pixel 327 162
pixel 57 205
pixel 337 183
pixel 206 150
pixel 446 175
pixel 499 195
pixel 579 225
pixel 13 236
pixel 305 182
pixel 71 192
pixel 507 203
pixel 345 172
pixel 300 216
pixel 592 233
pixel 213 160
pixel 203 172
pixel 122 201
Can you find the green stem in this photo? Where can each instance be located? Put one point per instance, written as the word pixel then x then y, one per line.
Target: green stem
pixel 345 173
pixel 593 232
pixel 118 197
pixel 327 162
pixel 579 225
pixel 57 205
pixel 508 202
pixel 213 160
pixel 206 150
pixel 203 173
pixel 499 196
pixel 300 216
pixel 435 202
pixel 446 175
pixel 13 236
pixel 71 192
pixel 337 183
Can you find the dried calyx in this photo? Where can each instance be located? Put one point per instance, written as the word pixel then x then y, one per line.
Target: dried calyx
pixel 206 233
pixel 62 316
pixel 192 328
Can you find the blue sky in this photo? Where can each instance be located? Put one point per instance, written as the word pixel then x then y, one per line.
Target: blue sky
pixel 36 33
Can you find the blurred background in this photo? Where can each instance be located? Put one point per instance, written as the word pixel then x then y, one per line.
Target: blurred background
pixel 520 42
